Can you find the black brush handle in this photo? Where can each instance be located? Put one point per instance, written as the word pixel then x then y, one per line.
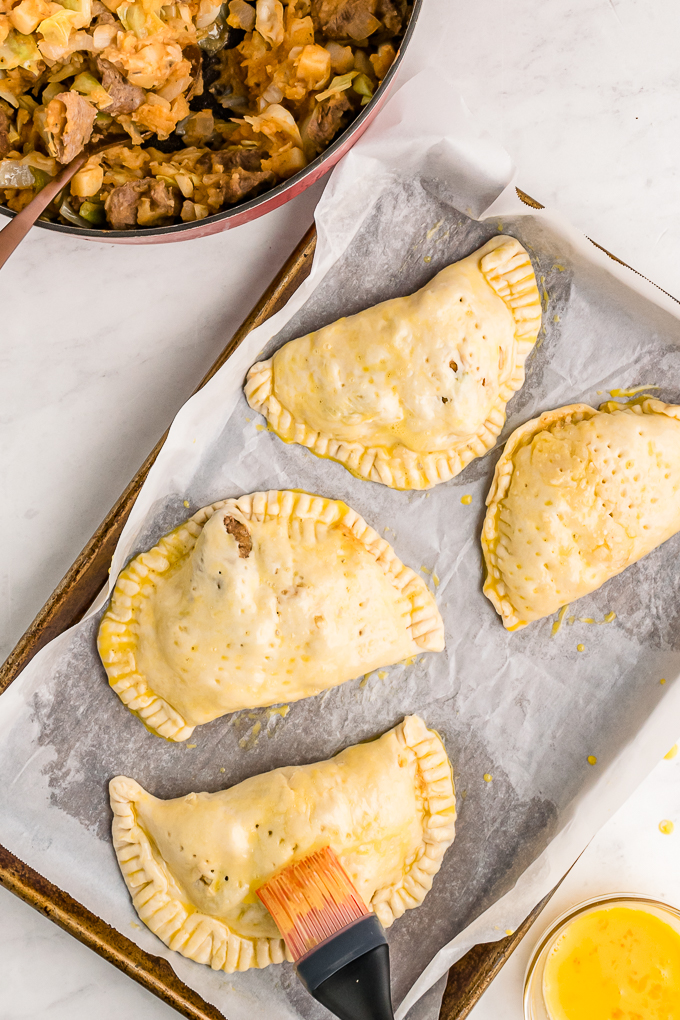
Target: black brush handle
pixel 361 989
pixel 350 972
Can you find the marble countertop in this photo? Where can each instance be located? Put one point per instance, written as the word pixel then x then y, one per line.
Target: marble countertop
pixel 102 344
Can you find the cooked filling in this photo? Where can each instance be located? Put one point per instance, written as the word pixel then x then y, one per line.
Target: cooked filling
pixel 212 103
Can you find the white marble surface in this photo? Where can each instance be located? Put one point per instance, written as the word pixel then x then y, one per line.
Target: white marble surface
pixel 102 343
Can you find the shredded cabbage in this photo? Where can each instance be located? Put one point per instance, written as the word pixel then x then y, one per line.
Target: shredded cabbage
pixel 339 84
pixel 88 86
pixel 19 51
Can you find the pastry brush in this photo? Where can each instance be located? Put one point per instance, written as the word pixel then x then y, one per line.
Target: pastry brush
pixel 338 946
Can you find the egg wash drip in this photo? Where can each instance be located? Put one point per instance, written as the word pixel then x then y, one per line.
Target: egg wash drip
pixel 614 963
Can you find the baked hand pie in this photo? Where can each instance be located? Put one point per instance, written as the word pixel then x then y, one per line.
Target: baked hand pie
pixel 578 495
pixel 409 391
pixel 255 601
pixel 193 865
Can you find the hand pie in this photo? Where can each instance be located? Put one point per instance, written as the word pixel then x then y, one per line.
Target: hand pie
pixel 193 865
pixel 256 601
pixel 409 391
pixel 578 495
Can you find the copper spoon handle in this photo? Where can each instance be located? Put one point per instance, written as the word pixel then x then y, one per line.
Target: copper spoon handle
pixel 13 234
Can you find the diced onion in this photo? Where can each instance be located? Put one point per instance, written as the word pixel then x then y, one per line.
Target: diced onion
pixel 14 174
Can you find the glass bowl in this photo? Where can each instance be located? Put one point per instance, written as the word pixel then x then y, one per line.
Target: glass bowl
pixel 534 1003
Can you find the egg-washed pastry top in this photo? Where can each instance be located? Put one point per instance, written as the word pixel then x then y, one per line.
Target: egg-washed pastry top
pixel 578 495
pixel 193 865
pixel 256 601
pixel 409 391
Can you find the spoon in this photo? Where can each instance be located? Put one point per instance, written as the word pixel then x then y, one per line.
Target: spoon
pixel 13 234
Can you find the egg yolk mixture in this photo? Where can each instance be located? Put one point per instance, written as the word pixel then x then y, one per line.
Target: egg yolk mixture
pixel 614 963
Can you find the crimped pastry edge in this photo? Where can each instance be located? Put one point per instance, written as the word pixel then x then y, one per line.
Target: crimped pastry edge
pixel 117 625
pixel 208 940
pixel 409 470
pixel 494 587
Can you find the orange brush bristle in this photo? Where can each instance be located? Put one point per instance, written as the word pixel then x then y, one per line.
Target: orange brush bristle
pixel 312 900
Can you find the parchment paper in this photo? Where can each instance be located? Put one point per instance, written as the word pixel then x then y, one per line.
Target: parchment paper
pixel 420 190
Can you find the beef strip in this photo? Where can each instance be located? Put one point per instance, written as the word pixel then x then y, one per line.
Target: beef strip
pixel 236 184
pixel 5 145
pixel 342 19
pixel 149 202
pixel 241 534
pixel 392 14
pixel 69 120
pixel 126 98
pixel 327 119
pixel 227 159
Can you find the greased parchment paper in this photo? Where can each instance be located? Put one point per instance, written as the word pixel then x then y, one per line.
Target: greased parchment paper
pixel 526 709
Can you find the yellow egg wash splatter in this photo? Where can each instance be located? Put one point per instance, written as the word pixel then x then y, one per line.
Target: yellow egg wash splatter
pixel 250 739
pixel 261 428
pixel 433 230
pixel 634 390
pixel 426 570
pixel 190 747
pixel 466 500
pixel 488 777
pixel 662 681
pixel 614 963
pixel 609 618
pixel 435 579
pixel 186 503
pixel 382 674
pixel 223 770
pixel 558 622
pixel 427 258
pixel 592 760
pixel 666 826
pixel 672 753
pixel 281 710
pixel 580 648
pixel 509 931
